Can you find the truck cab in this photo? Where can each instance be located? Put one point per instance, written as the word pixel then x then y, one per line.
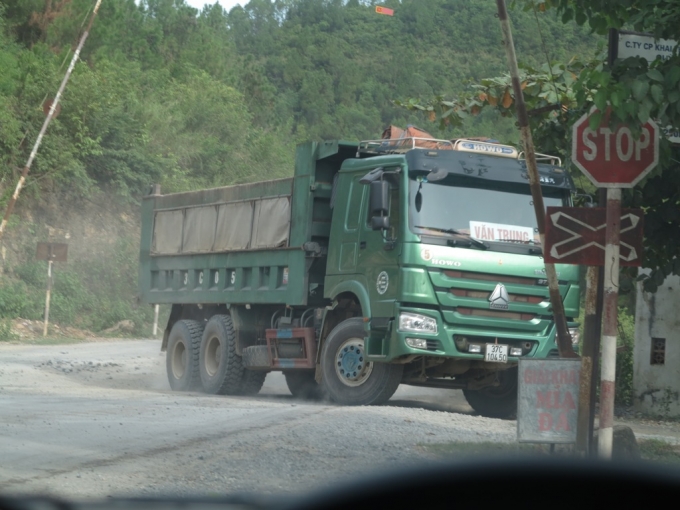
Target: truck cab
pixel 439 245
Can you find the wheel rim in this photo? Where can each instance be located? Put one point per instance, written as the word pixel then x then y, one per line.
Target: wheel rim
pixel 351 366
pixel 213 352
pixel 179 360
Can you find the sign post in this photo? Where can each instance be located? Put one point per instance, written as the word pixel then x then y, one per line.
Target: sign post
pixel 612 159
pixel 564 344
pixel 577 236
pixel 155 320
pixel 51 252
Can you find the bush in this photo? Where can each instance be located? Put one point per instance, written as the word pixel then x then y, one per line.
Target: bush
pixel 18 300
pixel 6 333
pixel 71 300
pixel 92 294
pixel 624 358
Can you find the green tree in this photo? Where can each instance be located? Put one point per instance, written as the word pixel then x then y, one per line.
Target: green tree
pixel 631 89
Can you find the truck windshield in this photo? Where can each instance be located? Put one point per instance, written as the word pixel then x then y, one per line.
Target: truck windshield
pixel 504 213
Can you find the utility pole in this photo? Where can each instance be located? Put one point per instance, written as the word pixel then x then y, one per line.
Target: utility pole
pixel 563 337
pixel 48 119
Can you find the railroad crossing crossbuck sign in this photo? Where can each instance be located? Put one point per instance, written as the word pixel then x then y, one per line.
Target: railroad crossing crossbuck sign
pixel 614 159
pixel 576 235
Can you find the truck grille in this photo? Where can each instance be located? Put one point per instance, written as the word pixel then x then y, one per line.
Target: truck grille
pixel 467 293
pixel 521 280
pixel 480 294
pixel 496 314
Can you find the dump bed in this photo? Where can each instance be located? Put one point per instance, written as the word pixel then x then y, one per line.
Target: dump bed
pixel 263 242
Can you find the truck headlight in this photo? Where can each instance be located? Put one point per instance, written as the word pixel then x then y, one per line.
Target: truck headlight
pixel 575 336
pixel 416 323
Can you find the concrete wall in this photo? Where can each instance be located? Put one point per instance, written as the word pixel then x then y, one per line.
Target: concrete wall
pixel 656 377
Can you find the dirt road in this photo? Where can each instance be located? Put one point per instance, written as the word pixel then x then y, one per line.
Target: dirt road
pixel 98 419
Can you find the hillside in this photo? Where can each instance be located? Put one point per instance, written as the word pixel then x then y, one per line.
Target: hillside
pixel 166 94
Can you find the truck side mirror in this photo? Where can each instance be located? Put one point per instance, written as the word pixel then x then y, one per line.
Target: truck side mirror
pixel 379 204
pixel 380 197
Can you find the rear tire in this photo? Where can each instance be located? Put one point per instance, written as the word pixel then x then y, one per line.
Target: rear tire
pixel 252 382
pixel 221 369
pixel 347 377
pixel 302 384
pixel 496 401
pixel 181 359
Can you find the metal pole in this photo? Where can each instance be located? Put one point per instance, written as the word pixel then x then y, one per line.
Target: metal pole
pixel 47 296
pixel 563 337
pixel 597 340
pixel 586 407
pixel 155 320
pixel 48 119
pixel 610 321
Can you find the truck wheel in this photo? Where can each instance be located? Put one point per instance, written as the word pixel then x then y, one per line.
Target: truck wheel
pixel 256 356
pixel 496 401
pixel 302 384
pixel 347 377
pixel 252 382
pixel 181 359
pixel 221 368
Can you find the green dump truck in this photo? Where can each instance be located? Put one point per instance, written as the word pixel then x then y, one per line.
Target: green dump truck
pixel 378 263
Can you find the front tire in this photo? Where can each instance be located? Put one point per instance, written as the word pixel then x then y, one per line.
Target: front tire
pixel 302 384
pixel 496 401
pixel 347 377
pixel 181 357
pixel 221 369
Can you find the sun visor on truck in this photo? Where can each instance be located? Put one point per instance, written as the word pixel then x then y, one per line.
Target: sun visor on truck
pixel 481 166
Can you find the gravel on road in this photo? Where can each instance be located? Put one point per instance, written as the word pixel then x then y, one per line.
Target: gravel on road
pixel 97 419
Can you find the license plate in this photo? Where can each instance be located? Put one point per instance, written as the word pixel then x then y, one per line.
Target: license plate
pixel 496 353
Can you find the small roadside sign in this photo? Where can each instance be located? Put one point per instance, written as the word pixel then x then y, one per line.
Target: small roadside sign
pixel 55 252
pixel 638 44
pixel 547 402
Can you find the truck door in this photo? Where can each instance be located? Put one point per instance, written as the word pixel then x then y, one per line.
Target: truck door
pixel 379 253
pixel 347 227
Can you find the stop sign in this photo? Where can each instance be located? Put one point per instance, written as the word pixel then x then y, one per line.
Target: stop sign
pixel 614 159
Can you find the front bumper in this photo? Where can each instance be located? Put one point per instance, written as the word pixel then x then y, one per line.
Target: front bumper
pixel 389 344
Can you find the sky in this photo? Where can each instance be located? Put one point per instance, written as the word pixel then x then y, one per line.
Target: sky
pixel 227 4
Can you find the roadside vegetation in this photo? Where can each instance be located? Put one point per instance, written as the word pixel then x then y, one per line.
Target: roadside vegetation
pixel 166 94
